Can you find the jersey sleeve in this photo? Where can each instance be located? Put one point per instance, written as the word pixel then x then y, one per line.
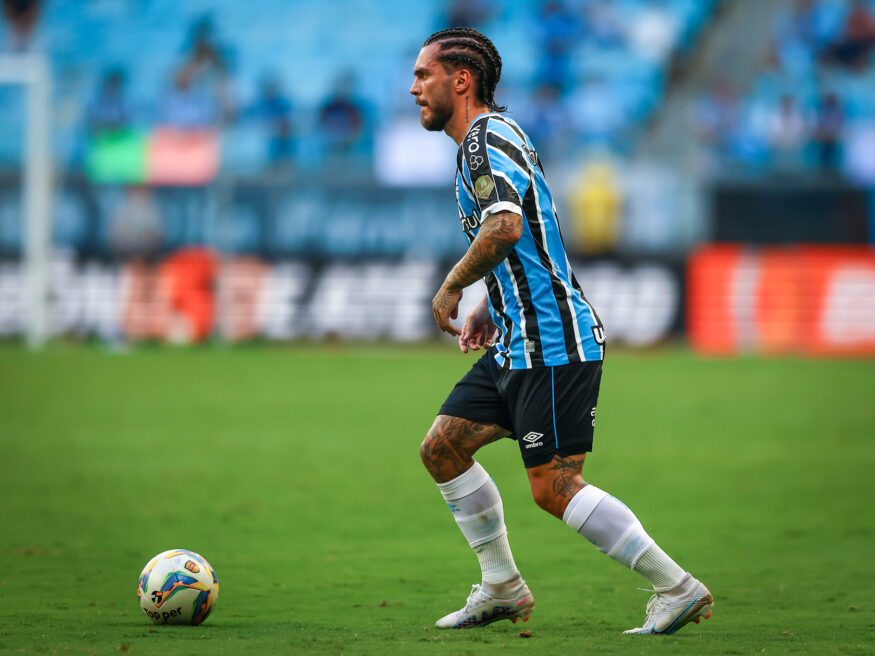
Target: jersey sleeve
pixel 493 179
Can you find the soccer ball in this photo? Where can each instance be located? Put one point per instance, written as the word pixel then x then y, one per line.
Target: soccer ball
pixel 178 587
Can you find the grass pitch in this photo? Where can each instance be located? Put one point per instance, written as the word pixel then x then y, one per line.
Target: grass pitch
pixel 295 472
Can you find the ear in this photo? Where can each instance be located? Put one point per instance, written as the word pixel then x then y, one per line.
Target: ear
pixel 462 81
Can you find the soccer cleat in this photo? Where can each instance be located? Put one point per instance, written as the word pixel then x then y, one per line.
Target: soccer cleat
pixel 482 608
pixel 668 611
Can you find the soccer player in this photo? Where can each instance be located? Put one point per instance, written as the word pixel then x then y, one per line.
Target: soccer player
pixel 538 380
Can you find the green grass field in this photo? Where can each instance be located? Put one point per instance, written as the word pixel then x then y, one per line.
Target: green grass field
pixel 295 471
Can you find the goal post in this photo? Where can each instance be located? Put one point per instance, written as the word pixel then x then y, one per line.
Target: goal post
pixel 32 72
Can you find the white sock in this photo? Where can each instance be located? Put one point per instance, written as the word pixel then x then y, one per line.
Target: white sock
pixel 613 528
pixel 496 563
pixel 476 505
pixel 662 572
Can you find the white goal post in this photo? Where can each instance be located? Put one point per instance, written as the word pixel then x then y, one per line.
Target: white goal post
pixel 32 71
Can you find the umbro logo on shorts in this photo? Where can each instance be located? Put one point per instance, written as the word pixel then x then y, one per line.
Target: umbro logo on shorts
pixel 532 439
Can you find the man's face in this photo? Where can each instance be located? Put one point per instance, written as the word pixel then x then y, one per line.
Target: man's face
pixel 432 88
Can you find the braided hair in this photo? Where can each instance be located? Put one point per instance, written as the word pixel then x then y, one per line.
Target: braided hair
pixel 465 47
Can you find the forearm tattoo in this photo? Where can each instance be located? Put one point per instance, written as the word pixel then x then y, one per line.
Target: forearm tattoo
pixel 496 238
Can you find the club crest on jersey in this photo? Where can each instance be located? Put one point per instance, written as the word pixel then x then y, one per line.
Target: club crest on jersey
pixel 483 186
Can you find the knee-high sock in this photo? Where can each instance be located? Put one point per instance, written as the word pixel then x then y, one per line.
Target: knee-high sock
pixel 613 528
pixel 476 505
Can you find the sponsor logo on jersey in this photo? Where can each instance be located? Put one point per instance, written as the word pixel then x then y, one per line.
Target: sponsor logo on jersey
pixel 483 186
pixel 468 222
pixel 473 146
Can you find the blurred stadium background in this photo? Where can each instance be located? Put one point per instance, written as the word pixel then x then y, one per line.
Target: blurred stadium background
pixel 221 170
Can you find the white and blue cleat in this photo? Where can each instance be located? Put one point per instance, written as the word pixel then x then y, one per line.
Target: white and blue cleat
pixel 668 611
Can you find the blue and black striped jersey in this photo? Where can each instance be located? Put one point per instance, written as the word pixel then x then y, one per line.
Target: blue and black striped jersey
pixel 541 313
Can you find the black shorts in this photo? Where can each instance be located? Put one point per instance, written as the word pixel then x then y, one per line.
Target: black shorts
pixel 549 410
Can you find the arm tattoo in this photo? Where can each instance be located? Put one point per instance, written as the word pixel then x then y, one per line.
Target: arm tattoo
pixel 497 236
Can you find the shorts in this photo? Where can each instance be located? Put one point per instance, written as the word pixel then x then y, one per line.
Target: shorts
pixel 549 410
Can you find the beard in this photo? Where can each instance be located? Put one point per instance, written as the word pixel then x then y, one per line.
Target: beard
pixel 441 113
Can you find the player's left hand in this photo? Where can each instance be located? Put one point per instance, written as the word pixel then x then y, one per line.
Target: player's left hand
pixel 478 331
pixel 445 306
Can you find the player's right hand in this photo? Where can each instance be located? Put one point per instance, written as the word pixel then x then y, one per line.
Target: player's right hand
pixel 445 306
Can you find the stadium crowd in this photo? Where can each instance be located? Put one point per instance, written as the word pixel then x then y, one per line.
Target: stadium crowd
pixel 811 108
pixel 590 74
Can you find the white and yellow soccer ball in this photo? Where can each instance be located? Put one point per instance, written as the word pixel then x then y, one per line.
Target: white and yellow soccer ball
pixel 178 587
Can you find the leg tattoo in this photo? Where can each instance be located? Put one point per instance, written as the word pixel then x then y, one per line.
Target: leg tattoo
pixel 450 444
pixel 555 483
pixel 567 480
